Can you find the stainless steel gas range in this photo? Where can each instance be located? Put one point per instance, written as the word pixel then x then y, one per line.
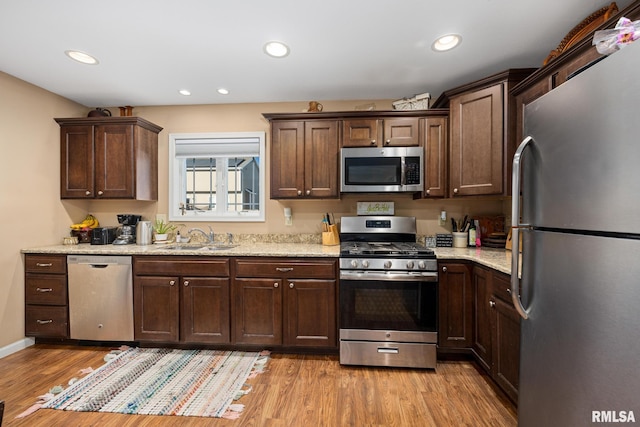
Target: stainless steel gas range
pixel 388 294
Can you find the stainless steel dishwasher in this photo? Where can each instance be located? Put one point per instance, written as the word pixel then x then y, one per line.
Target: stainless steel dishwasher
pixel 100 297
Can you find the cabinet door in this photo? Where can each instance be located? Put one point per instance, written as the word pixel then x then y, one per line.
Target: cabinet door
pixel 477 142
pixel 483 311
pixel 156 308
pixel 76 162
pixel 361 133
pixel 402 132
pixel 205 310
pixel 310 314
pixel 455 306
pixel 321 148
pixel 258 311
pixel 287 159
pixel 436 159
pixel 114 161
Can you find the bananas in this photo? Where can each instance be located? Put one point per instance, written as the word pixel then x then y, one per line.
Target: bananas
pixel 89 221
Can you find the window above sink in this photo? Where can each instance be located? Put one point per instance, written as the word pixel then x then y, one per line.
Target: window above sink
pixel 217 177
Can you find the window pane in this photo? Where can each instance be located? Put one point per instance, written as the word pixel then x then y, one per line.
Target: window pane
pixel 216 176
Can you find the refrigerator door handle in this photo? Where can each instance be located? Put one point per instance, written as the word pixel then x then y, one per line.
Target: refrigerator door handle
pixel 515 228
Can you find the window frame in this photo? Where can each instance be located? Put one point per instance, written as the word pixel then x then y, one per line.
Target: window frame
pixel 177 181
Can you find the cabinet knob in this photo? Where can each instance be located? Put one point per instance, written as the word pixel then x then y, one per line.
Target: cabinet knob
pixel 100 193
pixel 428 192
pixel 291 285
pixel 373 142
pixel 308 192
pixel 509 291
pixel 455 191
pixel 186 283
pixel 87 193
pixel 275 285
pixel 444 269
pixel 492 304
pixel 172 282
pixel 388 141
pixel 299 193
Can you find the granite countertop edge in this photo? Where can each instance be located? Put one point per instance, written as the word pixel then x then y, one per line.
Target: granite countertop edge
pixel 497 259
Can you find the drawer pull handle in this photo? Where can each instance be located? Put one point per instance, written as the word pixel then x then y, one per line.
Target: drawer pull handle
pixel 44 289
pixel 284 269
pixel 388 350
pixel 44 322
pixel 41 264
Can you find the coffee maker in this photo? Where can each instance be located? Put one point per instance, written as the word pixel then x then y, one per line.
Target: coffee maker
pixel 126 233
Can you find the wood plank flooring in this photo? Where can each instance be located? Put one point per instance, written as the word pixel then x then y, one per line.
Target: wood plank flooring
pixel 296 390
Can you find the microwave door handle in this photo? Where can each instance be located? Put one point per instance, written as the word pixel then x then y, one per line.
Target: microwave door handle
pixel 403 172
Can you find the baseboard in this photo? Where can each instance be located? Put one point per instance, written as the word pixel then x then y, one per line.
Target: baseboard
pixel 16 346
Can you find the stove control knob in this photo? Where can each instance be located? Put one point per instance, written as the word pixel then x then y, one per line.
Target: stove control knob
pixel 422 265
pixel 365 263
pixel 387 264
pixel 409 265
pixel 354 263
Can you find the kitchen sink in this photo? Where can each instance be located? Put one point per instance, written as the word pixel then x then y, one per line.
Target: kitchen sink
pixel 192 247
pixel 182 247
pixel 218 247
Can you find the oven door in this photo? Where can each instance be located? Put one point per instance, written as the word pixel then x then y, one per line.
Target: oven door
pixel 394 305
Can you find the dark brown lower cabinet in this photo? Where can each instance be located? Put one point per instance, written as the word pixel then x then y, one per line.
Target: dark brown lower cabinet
pixel 455 319
pixel 496 342
pixel 46 301
pixel 182 299
pixel 285 302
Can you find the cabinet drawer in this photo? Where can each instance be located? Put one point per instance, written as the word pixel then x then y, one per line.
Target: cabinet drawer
pixel 45 264
pixel 502 287
pixel 46 321
pixel 181 266
pixel 46 289
pixel 286 268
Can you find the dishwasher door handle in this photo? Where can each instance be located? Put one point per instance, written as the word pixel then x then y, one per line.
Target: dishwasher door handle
pixel 99 265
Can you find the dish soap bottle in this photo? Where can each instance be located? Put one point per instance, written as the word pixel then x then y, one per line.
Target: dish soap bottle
pixel 472 233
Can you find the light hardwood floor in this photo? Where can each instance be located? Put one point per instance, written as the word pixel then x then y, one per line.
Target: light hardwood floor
pixel 296 390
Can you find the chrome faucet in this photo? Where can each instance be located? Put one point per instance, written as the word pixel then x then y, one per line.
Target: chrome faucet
pixel 209 236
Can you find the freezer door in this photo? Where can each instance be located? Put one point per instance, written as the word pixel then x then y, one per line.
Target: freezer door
pixel 580 346
pixel 582 170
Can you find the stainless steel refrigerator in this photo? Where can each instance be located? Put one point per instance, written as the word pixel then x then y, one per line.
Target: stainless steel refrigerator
pixel 578 173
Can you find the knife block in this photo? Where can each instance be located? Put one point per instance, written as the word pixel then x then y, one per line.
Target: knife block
pixel 331 237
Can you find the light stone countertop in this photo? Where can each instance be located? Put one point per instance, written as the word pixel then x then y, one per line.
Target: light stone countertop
pixel 498 259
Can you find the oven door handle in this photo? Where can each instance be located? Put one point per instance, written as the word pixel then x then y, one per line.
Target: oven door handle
pixel 430 276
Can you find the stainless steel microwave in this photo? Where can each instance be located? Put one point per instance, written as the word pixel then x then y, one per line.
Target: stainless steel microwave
pixel 381 170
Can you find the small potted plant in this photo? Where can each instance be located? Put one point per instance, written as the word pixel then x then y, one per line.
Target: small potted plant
pixel 162 230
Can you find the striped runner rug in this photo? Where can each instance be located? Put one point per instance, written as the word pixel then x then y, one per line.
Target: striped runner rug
pixel 156 381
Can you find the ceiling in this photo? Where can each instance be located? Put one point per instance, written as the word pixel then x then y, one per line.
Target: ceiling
pixel 340 50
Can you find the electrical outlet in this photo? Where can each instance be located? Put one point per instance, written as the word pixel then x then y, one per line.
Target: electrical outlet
pixel 161 217
pixel 442 218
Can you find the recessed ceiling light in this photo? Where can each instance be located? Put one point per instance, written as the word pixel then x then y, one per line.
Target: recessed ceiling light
pixel 82 57
pixel 184 92
pixel 223 91
pixel 276 49
pixel 446 42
